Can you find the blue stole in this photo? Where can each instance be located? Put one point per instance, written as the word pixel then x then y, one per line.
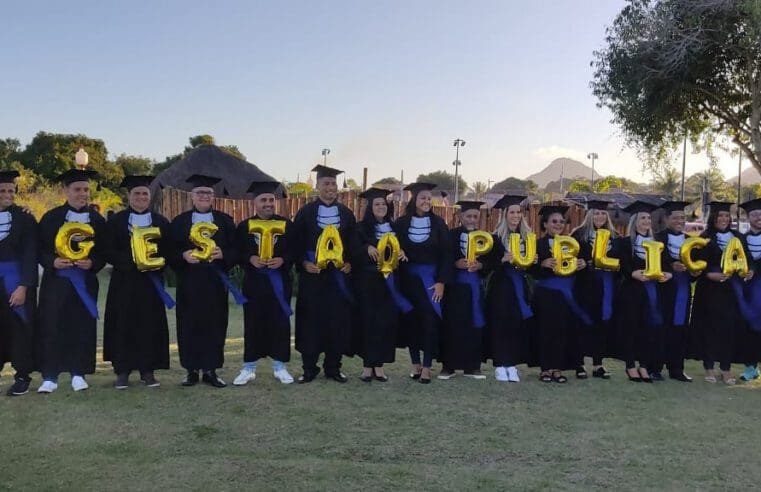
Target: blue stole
pixel 427 274
pixel 400 301
pixel 564 285
pixel 78 279
pixel 472 280
pixel 11 273
pixel 239 298
pixel 606 278
pixel 651 290
pixel 520 295
pixel 682 299
pixel 158 284
pixel 338 275
pixel 278 288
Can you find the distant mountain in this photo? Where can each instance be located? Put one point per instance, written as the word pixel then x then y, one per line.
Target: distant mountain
pixel 570 168
pixel 750 176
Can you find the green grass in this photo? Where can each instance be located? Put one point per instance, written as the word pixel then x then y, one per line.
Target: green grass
pixel 450 435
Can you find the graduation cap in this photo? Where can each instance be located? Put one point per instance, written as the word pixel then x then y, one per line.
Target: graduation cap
pixel 597 204
pixel 673 206
pixel 466 205
pixel 444 194
pixel 198 180
pixel 720 206
pixel 8 176
pixel 548 210
pixel 371 194
pixel 638 206
pixel 418 187
pixel 508 200
pixel 325 171
pixel 75 175
pixel 751 205
pixel 259 187
pixel 130 182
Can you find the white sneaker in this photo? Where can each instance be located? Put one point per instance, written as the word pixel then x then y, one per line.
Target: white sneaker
pixel 500 374
pixel 283 376
pixel 78 383
pixel 244 377
pixel 47 387
pixel 512 375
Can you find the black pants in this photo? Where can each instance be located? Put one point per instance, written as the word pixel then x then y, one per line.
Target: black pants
pixel 20 338
pixel 331 363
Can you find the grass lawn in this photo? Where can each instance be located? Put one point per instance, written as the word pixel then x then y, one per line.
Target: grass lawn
pixel 450 435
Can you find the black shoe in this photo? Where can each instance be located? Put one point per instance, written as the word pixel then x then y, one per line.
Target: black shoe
pixel 382 379
pixel 307 377
pixel 424 380
pixel 148 379
pixel 212 379
pixel 601 372
pixel 414 375
pixel 20 387
pixel 681 377
pixel 122 381
pixel 337 377
pixel 581 373
pixel 366 379
pixel 656 376
pixel 191 379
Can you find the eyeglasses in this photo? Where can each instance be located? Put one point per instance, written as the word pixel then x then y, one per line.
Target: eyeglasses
pixel 557 221
pixel 203 193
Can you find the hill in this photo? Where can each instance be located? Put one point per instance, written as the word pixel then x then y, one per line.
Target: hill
pixel 570 168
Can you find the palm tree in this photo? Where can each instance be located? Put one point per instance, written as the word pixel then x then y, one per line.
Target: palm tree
pixel 667 182
pixel 479 189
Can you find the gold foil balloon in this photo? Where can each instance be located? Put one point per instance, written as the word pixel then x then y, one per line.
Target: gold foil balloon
pixel 330 248
pixel 67 233
pixel 479 243
pixel 144 248
pixel 600 256
pixel 527 259
pixel 267 230
pixel 564 250
pixel 200 235
pixel 388 254
pixel 733 260
pixel 685 254
pixel 653 250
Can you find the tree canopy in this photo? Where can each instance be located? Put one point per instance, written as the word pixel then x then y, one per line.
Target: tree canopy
pixel 443 180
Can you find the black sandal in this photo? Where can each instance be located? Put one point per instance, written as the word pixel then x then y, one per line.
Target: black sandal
pixel 545 378
pixel 601 372
pixel 559 378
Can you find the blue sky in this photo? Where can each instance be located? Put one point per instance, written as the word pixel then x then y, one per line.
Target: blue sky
pixel 387 84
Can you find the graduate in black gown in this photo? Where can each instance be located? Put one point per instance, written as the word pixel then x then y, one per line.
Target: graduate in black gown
pixel 752 243
pixel 202 287
pixel 267 286
pixel 463 330
pixel 508 308
pixel 18 285
pixel 595 288
pixel 675 296
pixel 379 297
pixel 558 315
pixel 717 324
pixel 424 237
pixel 639 319
pixel 68 310
pixel 135 332
pixel 325 302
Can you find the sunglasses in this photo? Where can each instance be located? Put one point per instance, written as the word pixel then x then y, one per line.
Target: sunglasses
pixel 556 221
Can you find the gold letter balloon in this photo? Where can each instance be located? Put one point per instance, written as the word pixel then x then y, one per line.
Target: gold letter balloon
pixel 388 254
pixel 600 252
pixel 144 248
pixel 200 235
pixel 564 250
pixel 267 230
pixel 685 254
pixel 733 259
pixel 479 243
pixel 330 248
pixel 67 233
pixel 653 250
pixel 527 259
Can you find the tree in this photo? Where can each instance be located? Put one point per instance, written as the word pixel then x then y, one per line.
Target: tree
pixel 580 186
pixel 388 181
pixel 667 182
pixel 134 164
pixel 677 67
pixel 479 189
pixel 166 163
pixel 299 189
pixel 352 184
pixel 604 184
pixel 718 188
pixel 10 150
pixel 443 180
pixel 197 140
pixel 511 184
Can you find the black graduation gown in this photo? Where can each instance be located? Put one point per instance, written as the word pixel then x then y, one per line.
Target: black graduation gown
pixel 67 333
pixel 323 309
pixel 267 329
pixel 419 329
pixel 135 331
pixel 636 329
pixel 589 291
pixel 716 327
pixel 202 306
pixel 379 316
pixel 557 327
pixel 750 342
pixel 672 340
pixel 461 341
pixel 508 334
pixel 17 334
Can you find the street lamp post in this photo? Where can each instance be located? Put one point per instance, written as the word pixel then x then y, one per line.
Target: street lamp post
pixel 325 153
pixel 457 144
pixel 739 185
pixel 593 156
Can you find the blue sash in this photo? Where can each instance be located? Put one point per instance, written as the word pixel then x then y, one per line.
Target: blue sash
pixel 747 310
pixel 78 278
pixel 520 295
pixel 472 280
pixel 11 273
pixel 651 289
pixel 401 302
pixel 278 288
pixel 427 274
pixel 606 278
pixel 158 283
pixel 239 298
pixel 338 275
pixel 682 299
pixel 564 285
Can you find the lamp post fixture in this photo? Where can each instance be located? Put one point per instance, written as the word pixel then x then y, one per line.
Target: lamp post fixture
pixel 457 144
pixel 593 156
pixel 325 153
pixel 81 158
